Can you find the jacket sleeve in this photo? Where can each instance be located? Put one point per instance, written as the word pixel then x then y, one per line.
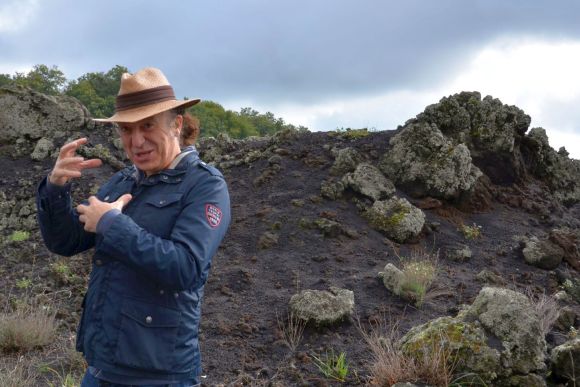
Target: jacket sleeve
pixel 59 223
pixel 183 260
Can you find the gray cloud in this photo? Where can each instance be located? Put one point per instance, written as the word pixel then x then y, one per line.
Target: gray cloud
pixel 264 50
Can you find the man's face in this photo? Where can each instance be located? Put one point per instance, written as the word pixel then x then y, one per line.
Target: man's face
pixel 152 143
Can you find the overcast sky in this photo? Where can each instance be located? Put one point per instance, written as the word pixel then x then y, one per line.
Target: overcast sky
pixel 320 63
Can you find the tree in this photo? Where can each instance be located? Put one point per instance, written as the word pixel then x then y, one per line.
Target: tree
pixel 44 79
pixel 98 90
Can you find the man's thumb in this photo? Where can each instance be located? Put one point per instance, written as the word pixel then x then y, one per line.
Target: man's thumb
pixel 124 200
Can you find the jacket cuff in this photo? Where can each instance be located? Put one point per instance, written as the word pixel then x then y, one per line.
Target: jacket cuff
pixel 106 220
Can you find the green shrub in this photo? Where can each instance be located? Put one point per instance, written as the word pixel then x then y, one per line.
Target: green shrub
pixel 471 232
pixel 332 366
pixel 19 236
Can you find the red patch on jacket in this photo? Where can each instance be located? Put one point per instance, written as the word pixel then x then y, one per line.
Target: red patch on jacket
pixel 213 215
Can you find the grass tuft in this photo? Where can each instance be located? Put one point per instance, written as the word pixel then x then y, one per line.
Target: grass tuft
pixel 332 366
pixel 26 328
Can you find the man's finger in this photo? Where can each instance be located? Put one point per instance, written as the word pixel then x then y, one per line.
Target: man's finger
pixel 93 199
pixel 68 149
pixel 69 173
pixel 81 208
pixel 83 219
pixel 92 163
pixel 123 201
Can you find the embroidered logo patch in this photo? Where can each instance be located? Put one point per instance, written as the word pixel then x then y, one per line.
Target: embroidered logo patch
pixel 213 215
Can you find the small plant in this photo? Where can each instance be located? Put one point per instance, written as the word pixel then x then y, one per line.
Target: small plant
pixel 292 330
pixel 61 272
pixel 26 328
pixel 332 366
pixel 471 232
pixel 15 375
pixel 547 310
pixel 19 236
pixel 24 283
pixel 418 278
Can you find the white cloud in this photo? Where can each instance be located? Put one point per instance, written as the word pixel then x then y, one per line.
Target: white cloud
pixel 17 14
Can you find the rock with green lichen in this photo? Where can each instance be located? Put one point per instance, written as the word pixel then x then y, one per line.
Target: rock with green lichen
pixel 331 189
pixel 423 162
pixel 25 113
pixel 496 339
pixel 565 361
pixel 561 173
pixel 368 180
pixel 397 218
pixel 572 287
pixel 42 150
pixel 322 307
pixel 267 240
pixel 345 160
pixel 100 152
pixel 464 344
pixel 486 126
pixel 542 253
pixel 510 317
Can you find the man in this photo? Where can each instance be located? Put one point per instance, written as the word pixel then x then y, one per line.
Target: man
pixel 155 227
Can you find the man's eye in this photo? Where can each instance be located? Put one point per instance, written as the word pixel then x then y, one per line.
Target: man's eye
pixel 124 130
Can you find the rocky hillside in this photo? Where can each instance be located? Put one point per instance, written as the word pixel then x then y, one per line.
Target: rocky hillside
pixel 462 226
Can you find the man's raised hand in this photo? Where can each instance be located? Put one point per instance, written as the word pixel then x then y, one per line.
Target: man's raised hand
pixel 68 165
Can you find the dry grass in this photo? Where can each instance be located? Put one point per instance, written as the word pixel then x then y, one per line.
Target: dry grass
pixel 26 328
pixel 420 270
pixel 389 364
pixel 15 373
pixel 292 330
pixel 546 308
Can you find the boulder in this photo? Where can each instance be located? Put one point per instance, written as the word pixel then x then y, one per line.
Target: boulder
pixel 425 163
pixel 331 189
pixel 369 181
pixel 542 253
pixel 42 150
pixel 322 307
pixel 464 343
pixel 397 218
pixel 490 129
pixel 25 113
pixel 561 173
pixel 345 160
pixel 565 361
pixel 510 317
pixel 393 278
pixel 496 339
pixel 459 253
pixel 572 287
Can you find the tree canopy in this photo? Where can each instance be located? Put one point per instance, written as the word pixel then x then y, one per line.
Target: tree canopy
pixel 98 90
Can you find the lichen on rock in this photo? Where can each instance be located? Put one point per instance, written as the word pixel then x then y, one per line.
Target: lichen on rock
pixel 565 361
pixel 368 180
pixel 323 307
pixel 542 253
pixel 426 163
pixel 345 160
pixel 397 218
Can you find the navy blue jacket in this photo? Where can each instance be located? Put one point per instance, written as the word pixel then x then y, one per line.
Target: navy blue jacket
pixel 142 307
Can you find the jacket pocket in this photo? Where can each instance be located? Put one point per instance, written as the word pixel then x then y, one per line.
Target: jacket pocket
pixel 159 213
pixel 147 336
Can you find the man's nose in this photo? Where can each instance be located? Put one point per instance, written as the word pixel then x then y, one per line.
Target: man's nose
pixel 137 138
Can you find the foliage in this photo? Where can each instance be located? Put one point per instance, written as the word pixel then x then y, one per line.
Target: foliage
pixel 24 283
pixel 332 366
pixel 44 79
pixel 19 236
pixel 97 91
pixel 471 232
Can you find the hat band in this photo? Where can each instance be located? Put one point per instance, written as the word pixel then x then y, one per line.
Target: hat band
pixel 144 97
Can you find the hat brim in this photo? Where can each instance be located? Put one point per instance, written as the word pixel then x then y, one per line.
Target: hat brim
pixel 142 112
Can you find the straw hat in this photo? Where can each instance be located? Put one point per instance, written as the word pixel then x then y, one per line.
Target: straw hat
pixel 144 94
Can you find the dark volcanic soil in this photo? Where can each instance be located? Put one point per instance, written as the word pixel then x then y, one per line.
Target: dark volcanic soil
pixel 249 288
